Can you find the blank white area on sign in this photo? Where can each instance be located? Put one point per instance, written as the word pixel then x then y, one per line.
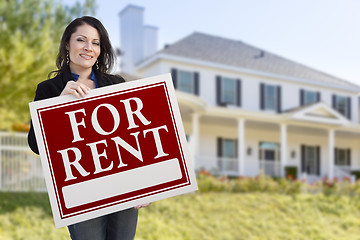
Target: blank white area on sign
pixel 120 183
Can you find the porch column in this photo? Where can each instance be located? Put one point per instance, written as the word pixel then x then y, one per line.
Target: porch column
pixel 331 139
pixel 241 146
pixel 194 140
pixel 283 154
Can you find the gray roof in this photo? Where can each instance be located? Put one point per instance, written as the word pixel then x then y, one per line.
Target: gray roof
pixel 220 50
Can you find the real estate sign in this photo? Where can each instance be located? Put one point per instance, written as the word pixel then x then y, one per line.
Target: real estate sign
pixel 120 146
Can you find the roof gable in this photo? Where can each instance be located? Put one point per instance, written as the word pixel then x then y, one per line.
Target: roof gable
pixel 318 112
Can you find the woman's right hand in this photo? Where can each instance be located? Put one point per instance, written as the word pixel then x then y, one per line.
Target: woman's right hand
pixel 77 89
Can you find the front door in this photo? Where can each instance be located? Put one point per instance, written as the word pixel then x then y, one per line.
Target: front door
pixel 270 158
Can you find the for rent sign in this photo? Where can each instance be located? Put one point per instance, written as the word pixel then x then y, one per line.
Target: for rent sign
pixel 120 146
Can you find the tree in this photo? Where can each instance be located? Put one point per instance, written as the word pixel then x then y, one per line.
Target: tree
pixel 30 32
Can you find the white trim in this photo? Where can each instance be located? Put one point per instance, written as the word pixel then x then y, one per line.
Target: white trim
pixel 160 56
pixel 193 101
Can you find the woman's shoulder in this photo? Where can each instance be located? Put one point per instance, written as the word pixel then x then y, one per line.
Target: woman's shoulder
pixel 113 78
pixel 51 81
pixel 50 87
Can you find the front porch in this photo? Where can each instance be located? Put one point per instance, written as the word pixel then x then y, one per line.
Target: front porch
pixel 234 142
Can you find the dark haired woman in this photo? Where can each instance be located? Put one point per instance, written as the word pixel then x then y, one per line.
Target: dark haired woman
pixel 84 60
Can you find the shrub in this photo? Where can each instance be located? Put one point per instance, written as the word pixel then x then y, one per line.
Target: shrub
pixel 262 183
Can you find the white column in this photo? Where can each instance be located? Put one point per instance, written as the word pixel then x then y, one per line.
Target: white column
pixel 241 146
pixel 194 139
pixel 331 144
pixel 283 153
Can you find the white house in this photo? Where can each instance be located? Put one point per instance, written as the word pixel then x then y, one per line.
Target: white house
pixel 246 110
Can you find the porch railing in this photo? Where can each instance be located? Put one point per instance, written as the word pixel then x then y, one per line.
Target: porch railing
pixel 220 165
pixel 20 168
pixel 270 168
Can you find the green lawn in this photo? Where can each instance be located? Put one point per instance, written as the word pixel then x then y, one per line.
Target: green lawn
pixel 205 216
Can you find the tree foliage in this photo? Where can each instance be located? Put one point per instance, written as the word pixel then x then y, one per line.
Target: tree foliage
pixel 30 32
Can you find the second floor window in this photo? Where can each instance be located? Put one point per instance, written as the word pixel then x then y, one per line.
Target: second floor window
pixel 228 91
pixel 309 97
pixel 185 81
pixel 270 97
pixel 342 105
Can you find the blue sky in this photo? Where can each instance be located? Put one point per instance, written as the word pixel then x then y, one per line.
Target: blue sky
pixel 322 34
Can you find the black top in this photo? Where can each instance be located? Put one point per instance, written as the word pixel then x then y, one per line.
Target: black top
pixel 53 88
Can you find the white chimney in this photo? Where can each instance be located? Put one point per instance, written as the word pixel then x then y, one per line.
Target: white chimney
pixel 150 40
pixel 137 41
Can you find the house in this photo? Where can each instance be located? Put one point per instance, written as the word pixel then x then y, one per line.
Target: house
pixel 246 110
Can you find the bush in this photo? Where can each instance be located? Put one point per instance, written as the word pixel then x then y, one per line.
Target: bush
pixel 209 183
pixel 262 183
pixel 291 172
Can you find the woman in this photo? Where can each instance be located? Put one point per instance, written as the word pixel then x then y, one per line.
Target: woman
pixel 85 56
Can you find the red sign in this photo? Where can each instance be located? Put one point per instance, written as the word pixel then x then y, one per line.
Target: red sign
pixel 118 147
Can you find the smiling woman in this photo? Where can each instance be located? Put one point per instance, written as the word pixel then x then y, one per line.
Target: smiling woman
pixel 85 57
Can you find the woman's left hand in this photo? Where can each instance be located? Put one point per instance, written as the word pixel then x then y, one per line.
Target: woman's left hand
pixel 142 205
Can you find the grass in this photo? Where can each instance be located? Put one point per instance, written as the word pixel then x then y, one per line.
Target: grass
pixel 207 215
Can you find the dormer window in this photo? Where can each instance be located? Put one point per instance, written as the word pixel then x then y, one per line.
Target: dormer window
pixel 185 81
pixel 228 91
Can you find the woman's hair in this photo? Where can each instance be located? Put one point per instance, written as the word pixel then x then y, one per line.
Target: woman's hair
pixel 106 57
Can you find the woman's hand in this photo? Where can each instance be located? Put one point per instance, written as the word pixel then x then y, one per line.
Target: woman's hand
pixel 142 205
pixel 77 89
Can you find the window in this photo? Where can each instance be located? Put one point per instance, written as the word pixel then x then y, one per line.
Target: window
pixel 310 159
pixel 270 97
pixel 185 81
pixel 309 97
pixel 228 91
pixel 340 105
pixel 229 148
pixel 227 156
pixel 342 157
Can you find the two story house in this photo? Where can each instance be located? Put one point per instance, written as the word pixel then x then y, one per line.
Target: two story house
pixel 246 110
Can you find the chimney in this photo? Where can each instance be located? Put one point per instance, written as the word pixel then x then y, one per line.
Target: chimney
pixel 150 40
pixel 137 41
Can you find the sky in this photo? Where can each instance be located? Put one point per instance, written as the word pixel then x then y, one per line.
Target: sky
pixel 321 34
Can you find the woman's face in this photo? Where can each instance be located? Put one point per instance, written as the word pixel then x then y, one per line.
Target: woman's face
pixel 84 48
